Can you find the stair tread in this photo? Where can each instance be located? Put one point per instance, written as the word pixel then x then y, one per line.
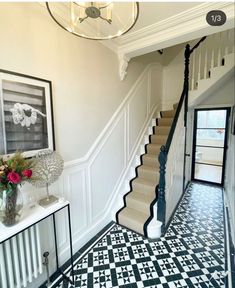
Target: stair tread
pixel 164 136
pixel 151 156
pixel 154 148
pixel 167 114
pixel 141 197
pixel 159 139
pixel 161 130
pixel 135 215
pixel 155 145
pixel 145 182
pixel 148 168
pixel 165 121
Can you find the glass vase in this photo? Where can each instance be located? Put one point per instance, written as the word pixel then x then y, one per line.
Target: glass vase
pixel 11 204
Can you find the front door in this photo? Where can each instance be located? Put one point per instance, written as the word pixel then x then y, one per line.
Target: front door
pixel 209 144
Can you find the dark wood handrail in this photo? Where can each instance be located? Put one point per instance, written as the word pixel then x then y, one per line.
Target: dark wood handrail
pixel 198 43
pixel 162 158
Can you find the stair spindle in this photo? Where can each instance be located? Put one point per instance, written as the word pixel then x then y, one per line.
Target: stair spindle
pixel 199 62
pixel 231 38
pixel 227 40
pixel 219 50
pixel 212 53
pixel 205 61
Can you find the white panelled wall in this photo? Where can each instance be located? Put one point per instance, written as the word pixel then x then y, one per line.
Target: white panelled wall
pixel 175 167
pixel 95 184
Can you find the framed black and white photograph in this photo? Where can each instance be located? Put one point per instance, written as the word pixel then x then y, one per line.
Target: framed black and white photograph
pixel 26 114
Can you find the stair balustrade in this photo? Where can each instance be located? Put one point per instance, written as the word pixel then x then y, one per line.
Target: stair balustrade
pixel 204 55
pixel 210 54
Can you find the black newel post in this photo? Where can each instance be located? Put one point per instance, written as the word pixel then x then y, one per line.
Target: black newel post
pixel 161 203
pixel 187 53
pixel 186 89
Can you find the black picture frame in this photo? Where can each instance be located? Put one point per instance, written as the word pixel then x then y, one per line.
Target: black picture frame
pixel 26 114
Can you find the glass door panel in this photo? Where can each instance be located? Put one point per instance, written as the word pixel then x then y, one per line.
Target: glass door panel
pixel 211 118
pixel 209 142
pixel 209 155
pixel 208 173
pixel 210 137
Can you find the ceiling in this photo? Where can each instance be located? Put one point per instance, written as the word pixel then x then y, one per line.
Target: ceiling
pixel 165 24
pixel 152 12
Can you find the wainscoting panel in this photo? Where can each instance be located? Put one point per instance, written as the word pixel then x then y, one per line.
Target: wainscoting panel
pixel 94 182
pixel 174 167
pixel 106 169
pixel 77 196
pixel 137 109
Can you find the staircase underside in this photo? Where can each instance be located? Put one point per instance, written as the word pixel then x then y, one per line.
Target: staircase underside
pixel 218 75
pixel 137 202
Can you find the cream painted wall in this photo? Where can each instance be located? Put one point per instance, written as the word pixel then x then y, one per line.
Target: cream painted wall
pixel 84 74
pixel 89 101
pixel 173 75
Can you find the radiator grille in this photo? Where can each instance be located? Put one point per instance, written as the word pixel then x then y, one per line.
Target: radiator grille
pixel 20 259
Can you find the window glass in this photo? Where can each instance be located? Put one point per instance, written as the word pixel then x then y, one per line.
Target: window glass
pixel 209 155
pixel 211 137
pixel 208 173
pixel 211 119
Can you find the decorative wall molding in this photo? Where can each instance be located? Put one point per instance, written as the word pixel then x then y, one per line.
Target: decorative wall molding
pixel 123 64
pixel 92 183
pixel 194 17
pixel 175 167
pixel 186 26
pixel 85 158
pixel 182 27
pixel 99 208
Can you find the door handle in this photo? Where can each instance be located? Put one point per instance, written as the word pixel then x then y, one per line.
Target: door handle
pixel 188 155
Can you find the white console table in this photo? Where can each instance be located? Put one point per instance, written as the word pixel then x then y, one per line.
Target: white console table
pixel 35 215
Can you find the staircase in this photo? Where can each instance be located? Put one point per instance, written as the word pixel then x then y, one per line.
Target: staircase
pixel 138 202
pixel 154 195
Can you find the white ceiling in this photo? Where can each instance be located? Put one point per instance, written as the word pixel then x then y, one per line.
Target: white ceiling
pixel 152 12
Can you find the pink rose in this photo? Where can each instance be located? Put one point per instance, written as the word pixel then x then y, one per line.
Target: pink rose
pixel 27 173
pixel 13 177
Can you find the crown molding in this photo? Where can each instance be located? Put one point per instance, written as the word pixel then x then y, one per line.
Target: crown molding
pixel 186 26
pixel 175 20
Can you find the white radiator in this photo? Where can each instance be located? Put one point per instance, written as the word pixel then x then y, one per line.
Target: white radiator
pixel 20 259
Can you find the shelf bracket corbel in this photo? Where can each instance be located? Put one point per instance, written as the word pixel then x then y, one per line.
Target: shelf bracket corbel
pixel 123 64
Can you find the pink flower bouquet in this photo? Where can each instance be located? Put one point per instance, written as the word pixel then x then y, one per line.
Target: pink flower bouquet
pixel 14 171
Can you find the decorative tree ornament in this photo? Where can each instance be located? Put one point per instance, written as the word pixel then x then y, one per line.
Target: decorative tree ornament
pixel 48 168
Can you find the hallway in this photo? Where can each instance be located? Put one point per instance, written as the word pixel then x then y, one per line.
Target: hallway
pixel 188 256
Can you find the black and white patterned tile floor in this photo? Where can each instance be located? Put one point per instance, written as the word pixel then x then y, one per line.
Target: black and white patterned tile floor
pixel 192 253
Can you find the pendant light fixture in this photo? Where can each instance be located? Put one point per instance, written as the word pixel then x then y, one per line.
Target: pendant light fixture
pixel 95 20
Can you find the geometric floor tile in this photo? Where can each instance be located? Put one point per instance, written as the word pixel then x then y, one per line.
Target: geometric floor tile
pixel 191 254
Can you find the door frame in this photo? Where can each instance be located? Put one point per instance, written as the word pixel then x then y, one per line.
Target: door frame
pixel 228 109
